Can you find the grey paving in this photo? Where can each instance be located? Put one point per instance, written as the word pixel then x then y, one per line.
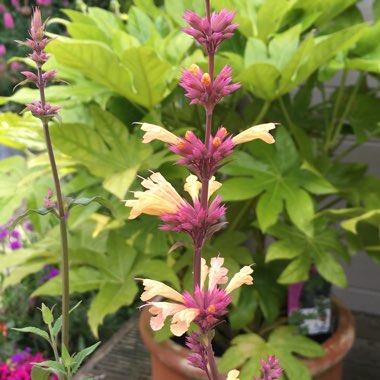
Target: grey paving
pixel 124 357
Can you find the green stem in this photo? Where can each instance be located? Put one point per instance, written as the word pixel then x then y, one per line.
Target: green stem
pixel 263 112
pixel 292 126
pixel 347 109
pixel 337 104
pixel 62 221
pixel 53 344
pixel 238 217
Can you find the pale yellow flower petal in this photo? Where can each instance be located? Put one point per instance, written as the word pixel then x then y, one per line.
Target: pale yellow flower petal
pixel 233 375
pixel 218 273
pixel 204 272
pixel 193 186
pixel 213 186
pixel 240 278
pixel 161 310
pixel 159 198
pixel 154 288
pixel 155 132
pixel 181 320
pixel 256 132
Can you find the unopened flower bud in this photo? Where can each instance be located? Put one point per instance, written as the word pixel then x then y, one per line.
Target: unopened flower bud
pixel 39 58
pixel 30 76
pixel 37 29
pixel 194 69
pixel 49 75
pixel 216 142
pixel 206 80
pixel 189 135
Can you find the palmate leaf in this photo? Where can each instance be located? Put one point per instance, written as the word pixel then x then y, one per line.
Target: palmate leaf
pixel 275 174
pixel 112 274
pixel 304 249
pixel 105 148
pixel 138 74
pixel 284 342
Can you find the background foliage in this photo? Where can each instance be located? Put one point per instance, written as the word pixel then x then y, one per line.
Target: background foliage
pixel 287 202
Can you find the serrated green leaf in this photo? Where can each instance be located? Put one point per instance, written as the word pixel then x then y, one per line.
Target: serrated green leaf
pixel 282 249
pixel 86 201
pixel 330 269
pixel 47 314
pixel 157 269
pixel 300 208
pixel 238 189
pixel 81 355
pixel 242 348
pixel 267 24
pixel 101 148
pixel 82 279
pixel 289 339
pixel 108 300
pixel 34 330
pixel 296 271
pixel 294 368
pixel 268 209
pixel 150 76
pixel 261 79
pixel 53 365
pixel 66 358
pixel 39 373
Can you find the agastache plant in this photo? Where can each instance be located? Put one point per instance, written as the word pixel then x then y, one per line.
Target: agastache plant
pixel 201 217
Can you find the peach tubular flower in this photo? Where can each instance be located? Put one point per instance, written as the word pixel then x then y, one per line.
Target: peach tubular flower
pixel 154 288
pixel 217 273
pixel 256 132
pixel 240 278
pixel 159 198
pixel 155 132
pixel 204 307
pixel 233 375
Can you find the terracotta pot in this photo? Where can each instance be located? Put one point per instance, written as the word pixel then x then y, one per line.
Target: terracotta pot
pixel 169 360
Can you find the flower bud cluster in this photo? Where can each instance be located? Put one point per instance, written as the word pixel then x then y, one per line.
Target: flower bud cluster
pixel 38 42
pixel 205 91
pixel 210 33
pixel 198 158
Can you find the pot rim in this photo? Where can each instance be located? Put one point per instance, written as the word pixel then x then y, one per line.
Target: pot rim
pixel 338 345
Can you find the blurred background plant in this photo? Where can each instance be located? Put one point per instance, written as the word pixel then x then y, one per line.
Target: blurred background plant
pixel 293 205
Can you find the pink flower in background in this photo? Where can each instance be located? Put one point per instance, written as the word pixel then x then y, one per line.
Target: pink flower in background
pixel 16 66
pixel 19 367
pixel 2 8
pixel 8 20
pixel 210 34
pixel 3 50
pixel 45 3
pixel 16 4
